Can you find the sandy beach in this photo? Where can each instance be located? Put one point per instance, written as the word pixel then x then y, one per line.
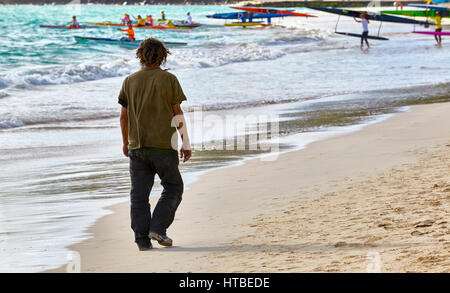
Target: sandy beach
pixel 379 195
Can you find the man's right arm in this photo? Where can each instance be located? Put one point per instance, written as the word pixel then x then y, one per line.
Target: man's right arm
pixel 124 129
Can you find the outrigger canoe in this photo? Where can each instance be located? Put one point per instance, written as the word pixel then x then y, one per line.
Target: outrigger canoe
pixel 125 43
pixel 66 26
pixel 154 27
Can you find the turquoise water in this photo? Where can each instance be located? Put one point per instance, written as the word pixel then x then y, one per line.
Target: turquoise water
pixel 25 43
pixel 59 134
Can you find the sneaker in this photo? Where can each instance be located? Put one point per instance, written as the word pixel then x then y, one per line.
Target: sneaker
pixel 162 239
pixel 144 244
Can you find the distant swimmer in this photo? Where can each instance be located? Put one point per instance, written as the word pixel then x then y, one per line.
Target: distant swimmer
pixel 189 18
pixel 438 20
pixel 365 24
pixel 130 32
pixel 74 22
pixel 149 20
pixel 140 21
pixel 126 18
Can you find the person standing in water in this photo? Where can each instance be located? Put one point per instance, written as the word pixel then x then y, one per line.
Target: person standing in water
pixel 438 20
pixel 365 24
pixel 149 119
pixel 163 16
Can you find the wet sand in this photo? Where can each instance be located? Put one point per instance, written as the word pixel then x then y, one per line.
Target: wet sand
pixel 376 199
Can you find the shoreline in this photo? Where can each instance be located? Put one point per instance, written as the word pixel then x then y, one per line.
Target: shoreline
pixel 211 238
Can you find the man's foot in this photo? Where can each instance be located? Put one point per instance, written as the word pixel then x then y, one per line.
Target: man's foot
pixel 162 239
pixel 144 244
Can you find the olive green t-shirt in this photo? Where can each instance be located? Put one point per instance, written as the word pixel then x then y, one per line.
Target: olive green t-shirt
pixel 148 95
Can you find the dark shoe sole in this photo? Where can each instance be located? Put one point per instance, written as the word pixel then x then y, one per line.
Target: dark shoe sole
pixel 160 242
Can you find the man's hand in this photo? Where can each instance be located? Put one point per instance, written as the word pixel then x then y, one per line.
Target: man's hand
pixel 125 150
pixel 185 154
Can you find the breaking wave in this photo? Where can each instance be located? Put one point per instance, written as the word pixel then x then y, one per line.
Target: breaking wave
pixel 28 78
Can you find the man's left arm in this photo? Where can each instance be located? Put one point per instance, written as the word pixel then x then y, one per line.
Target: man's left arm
pixel 180 122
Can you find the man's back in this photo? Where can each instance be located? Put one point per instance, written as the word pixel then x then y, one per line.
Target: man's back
pixel 149 96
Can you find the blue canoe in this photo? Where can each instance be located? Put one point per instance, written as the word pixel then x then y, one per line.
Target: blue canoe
pixel 125 43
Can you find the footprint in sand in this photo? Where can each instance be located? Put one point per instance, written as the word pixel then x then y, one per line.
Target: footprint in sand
pixel 425 223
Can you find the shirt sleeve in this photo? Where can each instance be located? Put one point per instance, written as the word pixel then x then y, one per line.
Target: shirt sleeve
pixel 123 98
pixel 178 95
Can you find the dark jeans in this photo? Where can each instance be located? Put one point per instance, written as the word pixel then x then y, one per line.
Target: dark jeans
pixel 364 37
pixel 143 167
pixel 438 37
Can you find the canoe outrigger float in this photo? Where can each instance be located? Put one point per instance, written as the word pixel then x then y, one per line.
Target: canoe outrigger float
pixel 124 42
pixel 67 26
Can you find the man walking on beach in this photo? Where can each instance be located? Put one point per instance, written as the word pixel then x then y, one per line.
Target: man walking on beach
pixel 150 100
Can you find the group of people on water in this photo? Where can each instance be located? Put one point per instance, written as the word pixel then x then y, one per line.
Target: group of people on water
pixel 148 21
pixel 139 21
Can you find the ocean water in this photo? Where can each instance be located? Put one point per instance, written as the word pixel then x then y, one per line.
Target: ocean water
pixel 59 136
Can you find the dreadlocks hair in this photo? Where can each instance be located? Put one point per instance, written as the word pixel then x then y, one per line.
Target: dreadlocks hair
pixel 152 51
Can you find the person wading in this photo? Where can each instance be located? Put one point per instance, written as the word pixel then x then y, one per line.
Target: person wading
pixel 365 25
pixel 438 20
pixel 150 100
